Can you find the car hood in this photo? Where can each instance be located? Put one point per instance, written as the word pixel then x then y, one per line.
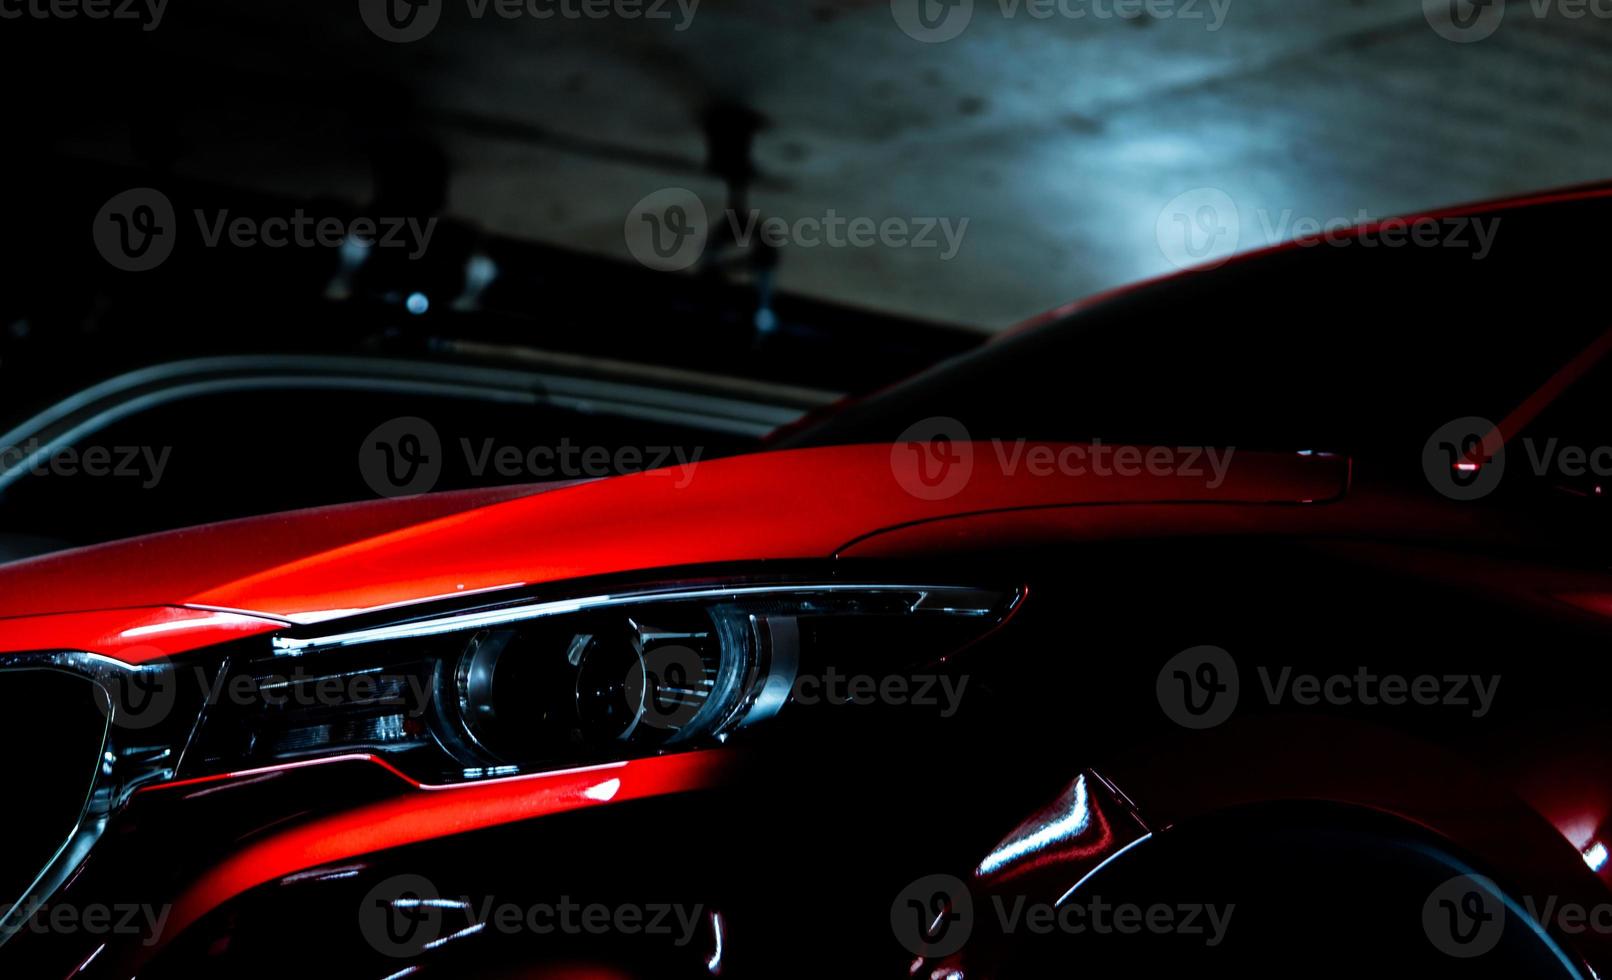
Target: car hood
pixel 313 565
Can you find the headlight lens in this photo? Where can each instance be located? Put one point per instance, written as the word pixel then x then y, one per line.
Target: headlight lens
pixel 521 687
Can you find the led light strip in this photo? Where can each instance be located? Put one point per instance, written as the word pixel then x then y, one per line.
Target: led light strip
pixel 949 599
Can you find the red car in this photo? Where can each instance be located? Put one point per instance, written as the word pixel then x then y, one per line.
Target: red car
pixel 1251 620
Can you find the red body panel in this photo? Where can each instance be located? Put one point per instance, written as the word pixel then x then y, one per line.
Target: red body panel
pixel 132 635
pixel 428 812
pixel 809 503
pixel 1528 807
pixel 173 592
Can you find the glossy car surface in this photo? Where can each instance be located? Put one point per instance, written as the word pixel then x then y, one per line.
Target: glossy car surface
pixel 1416 680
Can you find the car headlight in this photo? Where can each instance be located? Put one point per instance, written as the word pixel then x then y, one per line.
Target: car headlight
pixel 530 685
pixel 494 687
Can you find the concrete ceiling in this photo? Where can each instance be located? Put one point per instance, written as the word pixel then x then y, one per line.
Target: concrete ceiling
pixel 1061 140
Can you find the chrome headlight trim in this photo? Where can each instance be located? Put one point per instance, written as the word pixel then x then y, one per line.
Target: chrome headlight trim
pixel 127 762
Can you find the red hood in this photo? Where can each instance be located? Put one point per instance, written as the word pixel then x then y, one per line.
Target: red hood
pixel 810 503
